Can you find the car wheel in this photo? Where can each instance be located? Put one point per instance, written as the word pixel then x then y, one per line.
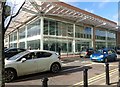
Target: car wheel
pixel 55 67
pixel 10 75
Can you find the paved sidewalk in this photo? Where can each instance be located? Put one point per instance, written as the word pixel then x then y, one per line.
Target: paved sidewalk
pixel 102 81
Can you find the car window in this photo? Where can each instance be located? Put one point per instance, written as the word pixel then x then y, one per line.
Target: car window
pixel 29 56
pixel 43 54
pixel 21 50
pixel 14 57
pixel 12 50
pixel 113 51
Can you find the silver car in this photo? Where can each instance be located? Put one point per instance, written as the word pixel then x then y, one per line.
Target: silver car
pixel 31 61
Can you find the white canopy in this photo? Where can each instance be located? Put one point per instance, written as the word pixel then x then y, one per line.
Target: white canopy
pixel 35 8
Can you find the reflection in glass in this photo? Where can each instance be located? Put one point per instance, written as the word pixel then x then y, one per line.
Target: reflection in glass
pixel 33 29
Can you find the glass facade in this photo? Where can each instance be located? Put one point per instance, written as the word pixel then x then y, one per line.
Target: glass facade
pixel 100 45
pixel 33 28
pixel 56 28
pixel 13 44
pixel 22 33
pixel 53 44
pixel 100 35
pixel 34 44
pixel 60 34
pixel 11 37
pixel 111 35
pixel 83 32
pixel 15 36
pixel 79 45
pixel 22 44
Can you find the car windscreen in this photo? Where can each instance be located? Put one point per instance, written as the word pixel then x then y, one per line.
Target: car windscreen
pixel 98 51
pixel 101 51
pixel 18 55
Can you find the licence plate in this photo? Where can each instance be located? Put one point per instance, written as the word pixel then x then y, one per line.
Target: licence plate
pixel 82 55
pixel 94 58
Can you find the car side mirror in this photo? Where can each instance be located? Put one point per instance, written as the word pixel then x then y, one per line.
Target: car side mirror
pixel 23 60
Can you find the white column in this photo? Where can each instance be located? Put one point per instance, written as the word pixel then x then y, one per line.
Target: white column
pixel 17 38
pixel 41 32
pixel 92 44
pixel 26 36
pixel 73 44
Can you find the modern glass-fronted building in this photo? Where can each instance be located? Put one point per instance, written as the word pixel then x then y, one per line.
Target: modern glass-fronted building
pixel 49 25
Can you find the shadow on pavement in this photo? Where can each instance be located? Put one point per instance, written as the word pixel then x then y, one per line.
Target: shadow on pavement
pixel 65 71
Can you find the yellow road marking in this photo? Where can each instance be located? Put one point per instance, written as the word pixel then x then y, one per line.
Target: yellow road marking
pixel 96 77
pixel 103 77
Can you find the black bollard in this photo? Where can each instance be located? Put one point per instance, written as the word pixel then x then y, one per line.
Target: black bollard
pixel 85 75
pixel 107 74
pixel 44 82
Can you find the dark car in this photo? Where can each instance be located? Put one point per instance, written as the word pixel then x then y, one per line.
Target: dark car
pixel 9 52
pixel 86 52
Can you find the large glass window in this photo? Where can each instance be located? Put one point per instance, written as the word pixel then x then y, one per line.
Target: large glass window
pixel 100 34
pixel 6 39
pixel 11 37
pixel 87 32
pixel 64 47
pixel 53 44
pixel 15 35
pixel 34 44
pixel 59 28
pixel 33 28
pixel 69 46
pixel 79 45
pixel 100 45
pixel 46 26
pixel 22 33
pixel 111 35
pixel 22 44
pixel 70 30
pixel 78 31
pixel 13 44
pixel 52 27
pixel 81 32
pixel 63 29
pixel 111 44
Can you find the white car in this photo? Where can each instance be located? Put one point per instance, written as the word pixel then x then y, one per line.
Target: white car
pixel 31 61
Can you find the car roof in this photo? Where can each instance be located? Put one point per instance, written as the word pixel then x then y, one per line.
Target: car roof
pixel 41 51
pixel 106 49
pixel 15 48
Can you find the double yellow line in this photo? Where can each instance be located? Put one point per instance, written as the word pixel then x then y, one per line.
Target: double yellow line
pixel 97 78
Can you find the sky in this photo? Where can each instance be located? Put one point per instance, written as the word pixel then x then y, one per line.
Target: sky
pixel 106 9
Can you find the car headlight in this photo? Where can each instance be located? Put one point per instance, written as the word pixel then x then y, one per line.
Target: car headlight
pixel 101 56
pixel 90 55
